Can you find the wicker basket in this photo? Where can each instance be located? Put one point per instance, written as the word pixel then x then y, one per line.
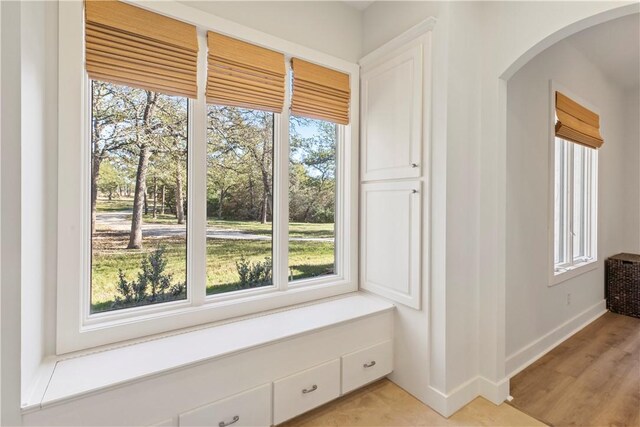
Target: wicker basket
pixel 622 287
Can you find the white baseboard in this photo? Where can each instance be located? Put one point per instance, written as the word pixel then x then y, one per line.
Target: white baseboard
pixel 532 352
pixel 447 404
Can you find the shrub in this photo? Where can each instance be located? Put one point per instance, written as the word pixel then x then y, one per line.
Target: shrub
pixel 254 274
pixel 153 284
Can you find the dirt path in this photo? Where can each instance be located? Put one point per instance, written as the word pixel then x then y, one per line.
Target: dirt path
pixel 121 221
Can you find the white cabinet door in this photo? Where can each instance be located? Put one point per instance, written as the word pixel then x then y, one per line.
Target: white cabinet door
pixel 250 408
pixel 364 366
pixel 298 393
pixel 391 111
pixel 390 240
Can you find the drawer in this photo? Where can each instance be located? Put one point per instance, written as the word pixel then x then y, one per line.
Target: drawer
pixel 303 391
pixel 250 408
pixel 363 366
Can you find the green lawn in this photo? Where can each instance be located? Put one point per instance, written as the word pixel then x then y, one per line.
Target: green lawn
pixel 307 259
pixel 105 205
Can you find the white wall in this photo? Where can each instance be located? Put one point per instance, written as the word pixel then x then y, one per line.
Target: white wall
pixel 533 308
pixel 39 160
pixel 331 27
pixel 10 158
pixel 476 46
pixel 632 109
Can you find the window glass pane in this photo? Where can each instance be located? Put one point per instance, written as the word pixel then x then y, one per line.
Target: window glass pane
pixel 579 205
pixel 312 198
pixel 138 197
pixel 560 196
pixel 239 198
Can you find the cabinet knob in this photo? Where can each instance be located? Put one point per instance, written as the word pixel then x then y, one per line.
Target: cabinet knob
pixel 414 165
pixel 370 364
pixel 234 420
pixel 414 191
pixel 309 390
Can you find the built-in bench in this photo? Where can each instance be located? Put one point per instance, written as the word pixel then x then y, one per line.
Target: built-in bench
pixel 210 374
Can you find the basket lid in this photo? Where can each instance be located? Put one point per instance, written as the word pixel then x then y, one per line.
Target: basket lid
pixel 627 257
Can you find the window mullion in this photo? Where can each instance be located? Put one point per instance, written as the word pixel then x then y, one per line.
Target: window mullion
pixel 281 194
pixel 197 189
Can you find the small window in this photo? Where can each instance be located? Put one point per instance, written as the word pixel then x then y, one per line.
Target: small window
pixel 575 195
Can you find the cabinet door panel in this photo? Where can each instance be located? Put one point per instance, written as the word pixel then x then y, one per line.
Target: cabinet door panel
pixel 392 116
pixel 364 366
pixel 298 393
pixel 391 233
pixel 250 408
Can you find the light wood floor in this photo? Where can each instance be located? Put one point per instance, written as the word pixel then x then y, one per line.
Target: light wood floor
pixel 385 404
pixel 591 379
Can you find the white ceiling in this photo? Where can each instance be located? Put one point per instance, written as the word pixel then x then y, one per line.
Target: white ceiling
pixel 614 47
pixel 359 4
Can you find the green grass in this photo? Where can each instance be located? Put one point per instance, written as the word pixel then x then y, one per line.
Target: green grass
pixel 105 205
pixel 307 259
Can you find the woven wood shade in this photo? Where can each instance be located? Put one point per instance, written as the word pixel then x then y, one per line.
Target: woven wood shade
pixel 576 123
pixel 320 93
pixel 132 46
pixel 244 75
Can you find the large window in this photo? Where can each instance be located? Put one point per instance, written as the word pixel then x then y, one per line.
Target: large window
pixel 202 177
pixel 575 193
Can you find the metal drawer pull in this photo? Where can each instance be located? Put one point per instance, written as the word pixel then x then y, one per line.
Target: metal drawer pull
pixel 309 390
pixel 414 191
pixel 233 421
pixel 370 364
pixel 414 165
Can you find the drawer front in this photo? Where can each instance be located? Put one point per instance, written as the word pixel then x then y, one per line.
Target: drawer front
pixel 363 366
pixel 250 408
pixel 303 391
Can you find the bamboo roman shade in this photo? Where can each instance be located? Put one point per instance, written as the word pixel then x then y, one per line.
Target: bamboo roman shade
pixel 244 75
pixel 132 46
pixel 320 93
pixel 576 123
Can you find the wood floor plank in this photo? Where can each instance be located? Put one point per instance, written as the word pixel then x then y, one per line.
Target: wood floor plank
pixel 592 379
pixel 385 404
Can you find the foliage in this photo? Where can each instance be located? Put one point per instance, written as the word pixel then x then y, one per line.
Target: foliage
pixel 153 284
pixel 254 274
pixel 110 180
pixel 312 167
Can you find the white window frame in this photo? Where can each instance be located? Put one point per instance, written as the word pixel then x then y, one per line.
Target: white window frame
pixel 76 328
pixel 572 267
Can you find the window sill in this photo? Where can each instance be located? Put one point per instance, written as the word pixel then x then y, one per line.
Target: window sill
pixel 70 377
pixel 572 272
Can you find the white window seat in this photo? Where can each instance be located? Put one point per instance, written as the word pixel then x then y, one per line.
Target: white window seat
pixel 72 377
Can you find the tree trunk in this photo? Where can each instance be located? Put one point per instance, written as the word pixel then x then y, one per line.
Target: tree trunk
pixel 135 237
pixel 95 172
pixel 179 198
pixel 146 205
pixel 265 204
pixel 222 194
pixel 155 197
pixel 162 202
